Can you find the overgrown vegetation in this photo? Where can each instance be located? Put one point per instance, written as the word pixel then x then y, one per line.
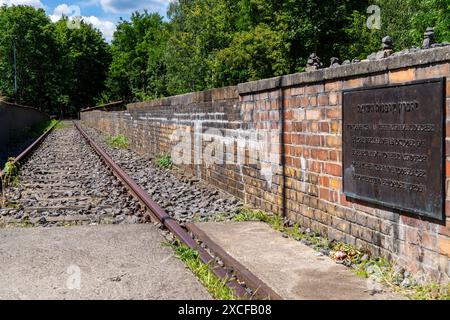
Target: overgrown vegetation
pixel 29 133
pixel 200 44
pixel 62 125
pixel 404 20
pixel 119 141
pixel 164 161
pixel 215 286
pixel 378 268
pixel 214 43
pixel 8 177
pixel 25 136
pixel 59 70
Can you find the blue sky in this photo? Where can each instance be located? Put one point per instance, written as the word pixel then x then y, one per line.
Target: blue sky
pixel 103 14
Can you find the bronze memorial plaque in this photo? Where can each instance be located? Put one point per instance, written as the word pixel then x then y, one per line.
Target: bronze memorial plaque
pixel 393 142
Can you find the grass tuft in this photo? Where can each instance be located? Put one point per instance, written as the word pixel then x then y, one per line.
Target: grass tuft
pixel 164 161
pixel 120 141
pixel 363 264
pixel 62 125
pixel 215 286
pixel 8 178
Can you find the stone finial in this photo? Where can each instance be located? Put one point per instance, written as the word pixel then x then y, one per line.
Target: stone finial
pixel 388 50
pixel 428 38
pixel 387 43
pixel 313 63
pixel 334 62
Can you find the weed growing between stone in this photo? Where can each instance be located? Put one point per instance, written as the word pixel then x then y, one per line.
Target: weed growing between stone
pixel 8 178
pixel 215 286
pixel 120 141
pixel 62 125
pixel 380 269
pixel 164 161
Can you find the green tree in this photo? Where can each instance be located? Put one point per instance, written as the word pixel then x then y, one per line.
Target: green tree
pixel 138 69
pixel 86 58
pixel 37 56
pixel 59 70
pixel 220 42
pixel 199 28
pixel 404 20
pixel 255 54
pixel 213 43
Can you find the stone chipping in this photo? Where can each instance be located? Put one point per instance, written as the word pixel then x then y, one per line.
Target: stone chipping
pixel 65 183
pixel 184 197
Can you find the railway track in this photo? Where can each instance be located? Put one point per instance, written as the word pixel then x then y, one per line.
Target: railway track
pixel 69 180
pixel 183 197
pixel 65 183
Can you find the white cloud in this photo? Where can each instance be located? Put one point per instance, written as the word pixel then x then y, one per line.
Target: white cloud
pixel 106 27
pixel 127 6
pixel 33 3
pixel 65 10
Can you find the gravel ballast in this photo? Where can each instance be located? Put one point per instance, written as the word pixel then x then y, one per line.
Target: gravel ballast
pixel 65 183
pixel 184 197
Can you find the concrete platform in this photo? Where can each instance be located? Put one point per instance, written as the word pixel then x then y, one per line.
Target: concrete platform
pixel 290 268
pixel 92 262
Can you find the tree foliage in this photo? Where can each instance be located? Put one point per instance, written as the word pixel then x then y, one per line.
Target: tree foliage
pixel 59 70
pixel 212 43
pixel 32 35
pixel 201 44
pixel 85 60
pixel 138 70
pixel 404 20
pixel 257 53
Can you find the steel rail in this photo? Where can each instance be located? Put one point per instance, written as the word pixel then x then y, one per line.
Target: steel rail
pixel 32 147
pixel 260 289
pixel 163 217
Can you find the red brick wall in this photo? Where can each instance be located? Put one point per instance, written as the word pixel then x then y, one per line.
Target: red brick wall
pixel 299 119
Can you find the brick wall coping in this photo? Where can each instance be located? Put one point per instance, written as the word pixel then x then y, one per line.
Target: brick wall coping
pixel 362 68
pixel 219 94
pixel 14 105
pixel 365 68
pixel 104 106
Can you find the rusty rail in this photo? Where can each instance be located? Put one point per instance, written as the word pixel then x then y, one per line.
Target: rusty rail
pixel 260 289
pixel 160 215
